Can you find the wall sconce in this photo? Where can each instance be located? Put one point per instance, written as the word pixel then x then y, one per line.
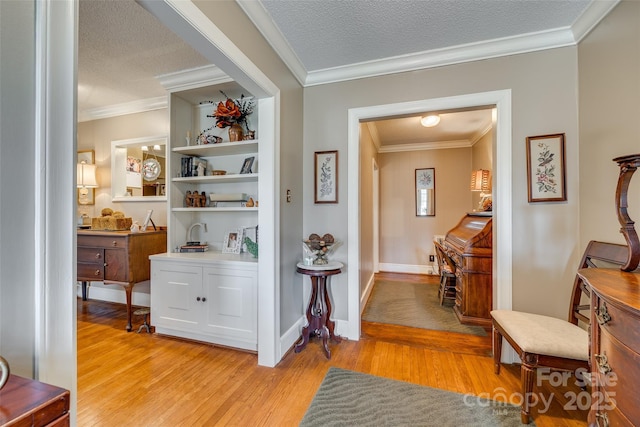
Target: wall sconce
pixel 430 120
pixel 86 179
pixel 481 181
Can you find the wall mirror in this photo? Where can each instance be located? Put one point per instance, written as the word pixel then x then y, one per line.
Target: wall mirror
pixel 138 169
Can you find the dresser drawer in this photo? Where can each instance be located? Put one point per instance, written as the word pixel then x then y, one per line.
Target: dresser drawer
pixel 90 272
pixel 90 255
pixel 114 241
pixel 616 322
pixel 619 360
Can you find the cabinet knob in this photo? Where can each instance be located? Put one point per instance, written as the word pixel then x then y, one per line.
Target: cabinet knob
pixel 602 315
pixel 114 243
pixel 603 364
pixel 98 255
pixel 602 416
pixel 203 299
pixel 96 273
pixel 198 299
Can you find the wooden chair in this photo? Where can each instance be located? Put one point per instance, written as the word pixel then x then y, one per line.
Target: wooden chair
pixel 549 342
pixel 447 289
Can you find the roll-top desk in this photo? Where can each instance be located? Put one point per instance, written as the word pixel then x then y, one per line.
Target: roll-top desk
pixel 117 257
pixel 470 246
pixel 614 346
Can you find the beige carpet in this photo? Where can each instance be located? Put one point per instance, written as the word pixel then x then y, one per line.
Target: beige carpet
pixel 415 305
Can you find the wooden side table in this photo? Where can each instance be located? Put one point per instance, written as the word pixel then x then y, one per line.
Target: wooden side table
pixel 26 402
pixel 319 310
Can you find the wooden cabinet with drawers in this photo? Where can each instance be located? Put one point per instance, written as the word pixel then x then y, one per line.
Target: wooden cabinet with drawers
pixel 614 347
pixel 26 402
pixel 117 257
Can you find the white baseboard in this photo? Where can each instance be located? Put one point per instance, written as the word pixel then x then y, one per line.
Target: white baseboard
pixel 407 268
pixel 292 335
pixel 367 292
pixel 115 293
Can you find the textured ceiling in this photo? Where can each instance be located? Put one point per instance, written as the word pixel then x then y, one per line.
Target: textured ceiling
pixel 332 33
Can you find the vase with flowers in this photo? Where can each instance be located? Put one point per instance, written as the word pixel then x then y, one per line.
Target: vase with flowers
pixel 233 114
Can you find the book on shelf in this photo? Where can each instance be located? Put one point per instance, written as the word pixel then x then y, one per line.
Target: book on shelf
pixel 194 248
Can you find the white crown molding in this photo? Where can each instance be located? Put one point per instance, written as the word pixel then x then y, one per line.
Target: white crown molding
pixel 592 15
pixel 193 78
pixel 132 107
pixel 422 146
pixel 256 12
pixel 447 56
pixel 481 134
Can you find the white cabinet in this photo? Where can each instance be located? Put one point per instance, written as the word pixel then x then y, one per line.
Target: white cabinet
pixel 196 297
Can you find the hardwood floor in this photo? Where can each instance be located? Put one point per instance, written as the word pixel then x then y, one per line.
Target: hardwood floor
pixel 130 379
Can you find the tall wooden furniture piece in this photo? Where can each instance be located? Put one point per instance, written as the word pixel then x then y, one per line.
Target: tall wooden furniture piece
pixel 27 402
pixel 544 341
pixel 117 258
pixel 615 346
pixel 470 246
pixel 319 309
pixel 447 287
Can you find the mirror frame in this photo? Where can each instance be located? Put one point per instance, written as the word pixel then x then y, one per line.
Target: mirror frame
pixel 116 152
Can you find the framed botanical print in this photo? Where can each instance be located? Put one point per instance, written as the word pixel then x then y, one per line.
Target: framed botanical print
pixel 325 188
pixel 546 176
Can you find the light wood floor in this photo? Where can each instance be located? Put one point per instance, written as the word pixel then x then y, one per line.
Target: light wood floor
pixel 130 379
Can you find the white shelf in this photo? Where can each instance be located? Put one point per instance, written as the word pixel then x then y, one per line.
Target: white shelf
pixel 221 149
pixel 211 209
pixel 246 177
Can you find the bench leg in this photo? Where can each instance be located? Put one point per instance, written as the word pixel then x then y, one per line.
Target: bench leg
pixel 497 351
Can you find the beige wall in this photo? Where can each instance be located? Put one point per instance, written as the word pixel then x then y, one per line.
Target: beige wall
pixel 482 158
pixel 544 92
pixel 609 85
pixel 97 135
pixel 404 237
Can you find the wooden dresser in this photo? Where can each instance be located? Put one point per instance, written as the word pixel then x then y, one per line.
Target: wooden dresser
pixel 117 257
pixel 614 346
pixel 469 244
pixel 30 403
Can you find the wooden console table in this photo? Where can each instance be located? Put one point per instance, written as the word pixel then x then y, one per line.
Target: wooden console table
pixel 319 310
pixel 26 402
pixel 117 257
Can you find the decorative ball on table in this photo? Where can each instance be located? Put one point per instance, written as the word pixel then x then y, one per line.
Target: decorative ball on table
pixel 318 249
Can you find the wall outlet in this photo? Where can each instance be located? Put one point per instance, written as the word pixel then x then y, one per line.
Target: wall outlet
pixel 431 258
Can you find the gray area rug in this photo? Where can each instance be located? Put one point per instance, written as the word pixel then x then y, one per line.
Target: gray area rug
pixel 347 398
pixel 415 305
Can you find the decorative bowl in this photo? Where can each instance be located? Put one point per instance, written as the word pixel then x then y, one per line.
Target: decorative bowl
pixel 317 252
pixel 218 172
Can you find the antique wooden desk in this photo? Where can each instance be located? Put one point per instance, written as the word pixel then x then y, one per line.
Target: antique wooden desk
pixel 26 402
pixel 117 257
pixel 319 310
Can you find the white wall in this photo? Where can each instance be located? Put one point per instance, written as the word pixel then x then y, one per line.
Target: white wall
pixel 544 93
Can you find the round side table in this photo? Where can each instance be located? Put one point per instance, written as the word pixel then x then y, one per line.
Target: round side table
pixel 319 310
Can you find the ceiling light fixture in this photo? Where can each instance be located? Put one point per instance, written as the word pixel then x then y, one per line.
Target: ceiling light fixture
pixel 430 120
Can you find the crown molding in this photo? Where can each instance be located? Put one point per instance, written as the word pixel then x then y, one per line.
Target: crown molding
pixel 256 12
pixel 193 78
pixel 592 15
pixel 138 106
pixel 422 146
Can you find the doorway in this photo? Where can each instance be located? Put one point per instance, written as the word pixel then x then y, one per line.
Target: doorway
pixel 502 191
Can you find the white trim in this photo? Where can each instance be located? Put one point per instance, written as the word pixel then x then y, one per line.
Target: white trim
pixel 115 293
pixel 256 12
pixel 367 293
pixel 407 268
pixel 138 106
pixel 193 78
pixel 292 335
pixel 421 146
pixel 375 219
pixel 592 15
pixel 502 279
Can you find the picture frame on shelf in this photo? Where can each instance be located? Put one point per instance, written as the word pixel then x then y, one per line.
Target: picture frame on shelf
pixel 546 168
pixel 233 241
pixel 246 166
pixel 86 196
pixel 425 185
pixel 325 186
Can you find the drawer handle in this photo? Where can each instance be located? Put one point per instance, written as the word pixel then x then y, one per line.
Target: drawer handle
pixel 96 273
pixel 603 364
pixel 98 256
pixel 604 417
pixel 114 243
pixel 602 315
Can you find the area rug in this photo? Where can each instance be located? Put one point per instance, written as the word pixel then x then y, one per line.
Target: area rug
pixel 415 305
pixel 347 398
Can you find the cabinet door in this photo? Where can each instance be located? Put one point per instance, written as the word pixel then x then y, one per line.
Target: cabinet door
pixel 231 309
pixel 174 293
pixel 116 265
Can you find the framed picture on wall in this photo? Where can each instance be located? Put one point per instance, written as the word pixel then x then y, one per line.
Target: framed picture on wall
pixel 325 186
pixel 546 168
pixel 425 185
pixel 85 174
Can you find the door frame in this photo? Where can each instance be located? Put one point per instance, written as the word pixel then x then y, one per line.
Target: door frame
pixel 502 212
